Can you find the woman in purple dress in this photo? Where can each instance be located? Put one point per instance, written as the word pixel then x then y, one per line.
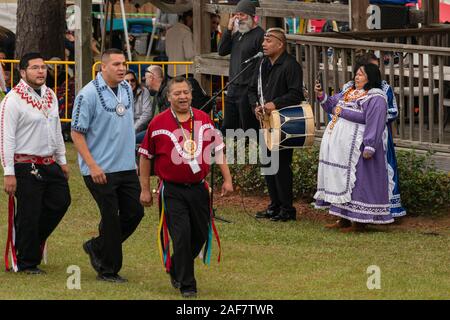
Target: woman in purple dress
pixel 352 179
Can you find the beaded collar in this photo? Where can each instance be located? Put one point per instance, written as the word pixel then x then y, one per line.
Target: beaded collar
pixel 30 96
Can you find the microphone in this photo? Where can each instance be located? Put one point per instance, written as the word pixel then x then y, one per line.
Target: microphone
pixel 256 56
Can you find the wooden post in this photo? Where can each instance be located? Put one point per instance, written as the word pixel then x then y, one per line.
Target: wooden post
pixel 202 34
pixel 431 10
pixel 358 15
pixel 83 53
pixel 434 11
pixel 426 11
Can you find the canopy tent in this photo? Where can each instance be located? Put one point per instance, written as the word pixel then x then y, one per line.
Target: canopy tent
pixel 8 18
pixel 169 6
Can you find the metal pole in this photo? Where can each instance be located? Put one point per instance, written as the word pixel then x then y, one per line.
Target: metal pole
pixel 125 29
pixel 83 36
pixel 154 28
pixel 111 23
pixel 104 24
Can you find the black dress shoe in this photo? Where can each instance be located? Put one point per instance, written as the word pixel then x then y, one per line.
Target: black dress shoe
pixel 266 214
pixel 189 294
pixel 95 262
pixel 111 278
pixel 281 217
pixel 32 271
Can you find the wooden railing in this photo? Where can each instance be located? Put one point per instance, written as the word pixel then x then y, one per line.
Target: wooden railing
pixel 436 35
pixel 419 75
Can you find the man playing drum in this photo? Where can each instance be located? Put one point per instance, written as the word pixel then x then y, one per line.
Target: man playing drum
pixel 277 84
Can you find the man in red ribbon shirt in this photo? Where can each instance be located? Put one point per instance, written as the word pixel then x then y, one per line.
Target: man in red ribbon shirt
pixel 180 141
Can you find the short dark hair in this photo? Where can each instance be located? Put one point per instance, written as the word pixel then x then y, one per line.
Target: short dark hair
pixel 364 59
pixel 108 52
pixel 373 76
pixel 176 80
pixel 186 14
pixel 23 64
pixel 280 34
pixel 133 74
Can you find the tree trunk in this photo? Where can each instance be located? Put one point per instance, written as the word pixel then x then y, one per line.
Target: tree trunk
pixel 40 27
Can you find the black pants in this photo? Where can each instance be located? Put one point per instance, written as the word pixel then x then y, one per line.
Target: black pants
pixel 238 112
pixel 41 204
pixel 121 212
pixel 280 184
pixel 188 214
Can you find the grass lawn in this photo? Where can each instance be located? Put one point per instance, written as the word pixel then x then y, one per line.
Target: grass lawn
pixel 261 260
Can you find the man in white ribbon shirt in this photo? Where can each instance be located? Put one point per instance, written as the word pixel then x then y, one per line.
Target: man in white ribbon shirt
pixel 35 169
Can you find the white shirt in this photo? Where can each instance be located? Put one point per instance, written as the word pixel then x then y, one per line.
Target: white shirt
pixel 180 47
pixel 29 124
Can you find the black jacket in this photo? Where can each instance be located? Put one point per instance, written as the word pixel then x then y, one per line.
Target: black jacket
pixel 241 47
pixel 282 82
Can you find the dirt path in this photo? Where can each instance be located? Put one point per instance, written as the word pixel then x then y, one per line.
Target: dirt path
pixel 425 225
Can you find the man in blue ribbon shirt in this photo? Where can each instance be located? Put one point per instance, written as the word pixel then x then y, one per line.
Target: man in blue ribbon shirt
pixel 103 134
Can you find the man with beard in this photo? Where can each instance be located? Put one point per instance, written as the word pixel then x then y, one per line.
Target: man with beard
pixel 33 157
pixel 242 44
pixel 103 134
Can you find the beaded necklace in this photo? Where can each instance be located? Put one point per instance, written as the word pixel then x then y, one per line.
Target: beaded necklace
pixel 354 94
pixel 350 95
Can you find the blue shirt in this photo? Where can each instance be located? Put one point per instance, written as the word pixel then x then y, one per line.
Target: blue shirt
pixel 109 136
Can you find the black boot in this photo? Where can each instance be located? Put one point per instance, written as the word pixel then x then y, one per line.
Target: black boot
pixel 280 217
pixel 285 216
pixel 266 214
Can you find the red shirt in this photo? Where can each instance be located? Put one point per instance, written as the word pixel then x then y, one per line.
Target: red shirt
pixel 164 143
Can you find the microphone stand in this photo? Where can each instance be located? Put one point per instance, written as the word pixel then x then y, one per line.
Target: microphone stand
pixel 224 88
pixel 220 118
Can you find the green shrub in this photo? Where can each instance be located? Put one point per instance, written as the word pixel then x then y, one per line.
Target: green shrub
pixel 424 190
pixel 248 179
pixel 304 166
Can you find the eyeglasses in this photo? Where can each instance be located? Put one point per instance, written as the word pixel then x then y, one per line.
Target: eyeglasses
pixel 36 68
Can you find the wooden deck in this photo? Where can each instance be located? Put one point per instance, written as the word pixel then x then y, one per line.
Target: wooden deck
pixel 415 61
pixel 216 65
